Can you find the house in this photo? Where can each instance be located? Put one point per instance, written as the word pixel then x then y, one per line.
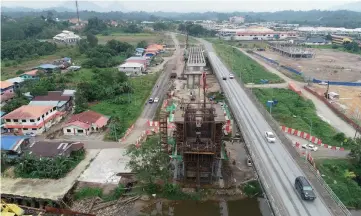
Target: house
pixel 149 55
pixel 157 47
pixel 132 69
pixel 85 123
pixel 6 97
pixel 49 68
pixel 53 149
pixel 316 41
pixel 139 51
pixel 30 75
pixel 16 81
pixel 14 145
pixel 6 87
pixel 140 60
pixel 53 98
pixel 66 37
pixel 3 130
pixel 340 40
pixel 69 92
pixel 29 118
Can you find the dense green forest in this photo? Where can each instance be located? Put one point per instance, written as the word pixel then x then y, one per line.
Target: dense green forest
pixel 341 18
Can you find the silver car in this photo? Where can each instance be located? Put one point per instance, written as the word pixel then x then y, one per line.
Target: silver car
pixel 270 137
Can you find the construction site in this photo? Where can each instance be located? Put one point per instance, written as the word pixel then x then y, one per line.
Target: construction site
pixel 326 64
pixel 290 50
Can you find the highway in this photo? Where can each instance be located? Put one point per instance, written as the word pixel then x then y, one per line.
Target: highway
pixel 275 166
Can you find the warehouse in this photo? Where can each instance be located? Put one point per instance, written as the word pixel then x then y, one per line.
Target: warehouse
pixel 254 33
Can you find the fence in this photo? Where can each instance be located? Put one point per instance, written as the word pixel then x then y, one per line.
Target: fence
pixel 335 110
pixel 338 83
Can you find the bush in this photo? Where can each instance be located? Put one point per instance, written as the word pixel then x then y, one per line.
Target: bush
pixel 334 46
pixel 252 189
pixel 88 192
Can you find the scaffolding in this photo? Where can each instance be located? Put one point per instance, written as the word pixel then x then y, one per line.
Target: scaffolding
pixel 198 139
pixel 163 131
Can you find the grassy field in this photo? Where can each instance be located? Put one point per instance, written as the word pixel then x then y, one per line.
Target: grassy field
pixel 243 66
pixel 128 113
pixel 329 46
pixel 132 38
pixel 182 39
pixel 10 71
pixel 339 176
pixel 296 112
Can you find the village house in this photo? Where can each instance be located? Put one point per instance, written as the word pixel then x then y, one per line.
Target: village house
pixel 66 37
pixel 85 123
pixel 49 68
pixel 140 60
pixel 131 68
pixel 14 146
pixel 6 87
pixel 53 98
pixel 29 118
pixel 6 97
pixel 16 81
pixel 30 75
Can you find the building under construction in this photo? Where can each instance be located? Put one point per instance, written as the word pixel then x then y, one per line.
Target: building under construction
pixel 290 50
pixel 197 155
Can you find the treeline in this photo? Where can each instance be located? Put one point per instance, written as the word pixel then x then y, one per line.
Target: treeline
pixel 195 30
pixel 38 27
pixel 340 18
pixel 25 49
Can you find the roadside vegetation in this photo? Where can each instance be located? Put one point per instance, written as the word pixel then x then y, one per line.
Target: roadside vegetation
pixel 93 192
pixel 295 112
pixel 344 178
pixel 242 66
pixel 30 166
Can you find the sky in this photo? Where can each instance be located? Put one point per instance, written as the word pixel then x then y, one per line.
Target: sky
pixel 193 6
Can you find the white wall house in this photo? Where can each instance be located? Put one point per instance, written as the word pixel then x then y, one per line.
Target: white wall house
pixel 67 37
pixel 132 68
pixel 29 118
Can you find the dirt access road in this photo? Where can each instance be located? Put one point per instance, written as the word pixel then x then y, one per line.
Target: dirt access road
pixel 322 109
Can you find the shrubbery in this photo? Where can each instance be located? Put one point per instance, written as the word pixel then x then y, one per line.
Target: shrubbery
pixel 25 49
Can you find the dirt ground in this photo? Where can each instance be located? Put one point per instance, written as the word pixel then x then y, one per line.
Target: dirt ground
pixel 326 65
pixel 349 101
pixel 133 38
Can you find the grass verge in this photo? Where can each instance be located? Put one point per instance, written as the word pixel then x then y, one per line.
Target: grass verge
pixel 89 192
pixel 340 175
pixel 182 39
pixel 132 38
pixel 243 66
pixel 295 112
pixel 128 113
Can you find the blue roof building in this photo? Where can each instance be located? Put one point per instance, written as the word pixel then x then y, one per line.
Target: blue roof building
pixel 14 143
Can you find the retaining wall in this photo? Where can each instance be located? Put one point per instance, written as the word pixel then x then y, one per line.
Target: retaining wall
pixel 335 110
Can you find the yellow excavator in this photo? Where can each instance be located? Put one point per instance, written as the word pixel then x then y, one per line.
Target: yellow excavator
pixel 11 209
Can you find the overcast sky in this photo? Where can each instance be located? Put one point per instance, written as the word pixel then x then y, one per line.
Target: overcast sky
pixel 194 6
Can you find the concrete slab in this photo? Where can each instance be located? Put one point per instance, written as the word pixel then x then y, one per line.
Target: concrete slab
pixel 105 166
pixel 46 188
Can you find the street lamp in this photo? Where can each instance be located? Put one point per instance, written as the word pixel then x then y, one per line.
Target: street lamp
pixel 310 127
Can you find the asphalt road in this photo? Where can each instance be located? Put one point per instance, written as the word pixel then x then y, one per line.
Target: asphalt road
pixel 277 167
pixel 162 83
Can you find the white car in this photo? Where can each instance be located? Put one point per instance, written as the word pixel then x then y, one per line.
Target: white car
pixel 231 76
pixel 310 147
pixel 32 134
pixel 323 83
pixel 156 100
pixel 270 137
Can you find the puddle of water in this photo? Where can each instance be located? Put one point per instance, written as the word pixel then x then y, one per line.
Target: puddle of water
pixel 254 207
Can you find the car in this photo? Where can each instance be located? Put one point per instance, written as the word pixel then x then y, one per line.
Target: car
pixel 322 83
pixel 150 100
pixel 32 134
pixel 249 162
pixel 270 137
pixel 304 188
pixel 224 78
pixel 310 147
pixel 156 100
pixel 231 76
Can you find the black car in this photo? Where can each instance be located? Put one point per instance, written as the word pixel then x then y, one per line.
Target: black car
pixel 304 188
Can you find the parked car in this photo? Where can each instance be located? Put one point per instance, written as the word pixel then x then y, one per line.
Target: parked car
pixel 322 83
pixel 156 100
pixel 32 134
pixel 270 137
pixel 304 188
pixel 310 147
pixel 231 76
pixel 150 100
pixel 249 162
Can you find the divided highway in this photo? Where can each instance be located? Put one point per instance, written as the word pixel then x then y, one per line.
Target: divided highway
pixel 275 166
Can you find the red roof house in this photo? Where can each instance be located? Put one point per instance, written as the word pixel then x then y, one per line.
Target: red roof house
pixel 85 123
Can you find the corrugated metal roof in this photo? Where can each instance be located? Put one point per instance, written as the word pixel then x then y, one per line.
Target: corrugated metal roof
pixel 131 64
pixel 16 80
pixel 9 143
pixel 48 103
